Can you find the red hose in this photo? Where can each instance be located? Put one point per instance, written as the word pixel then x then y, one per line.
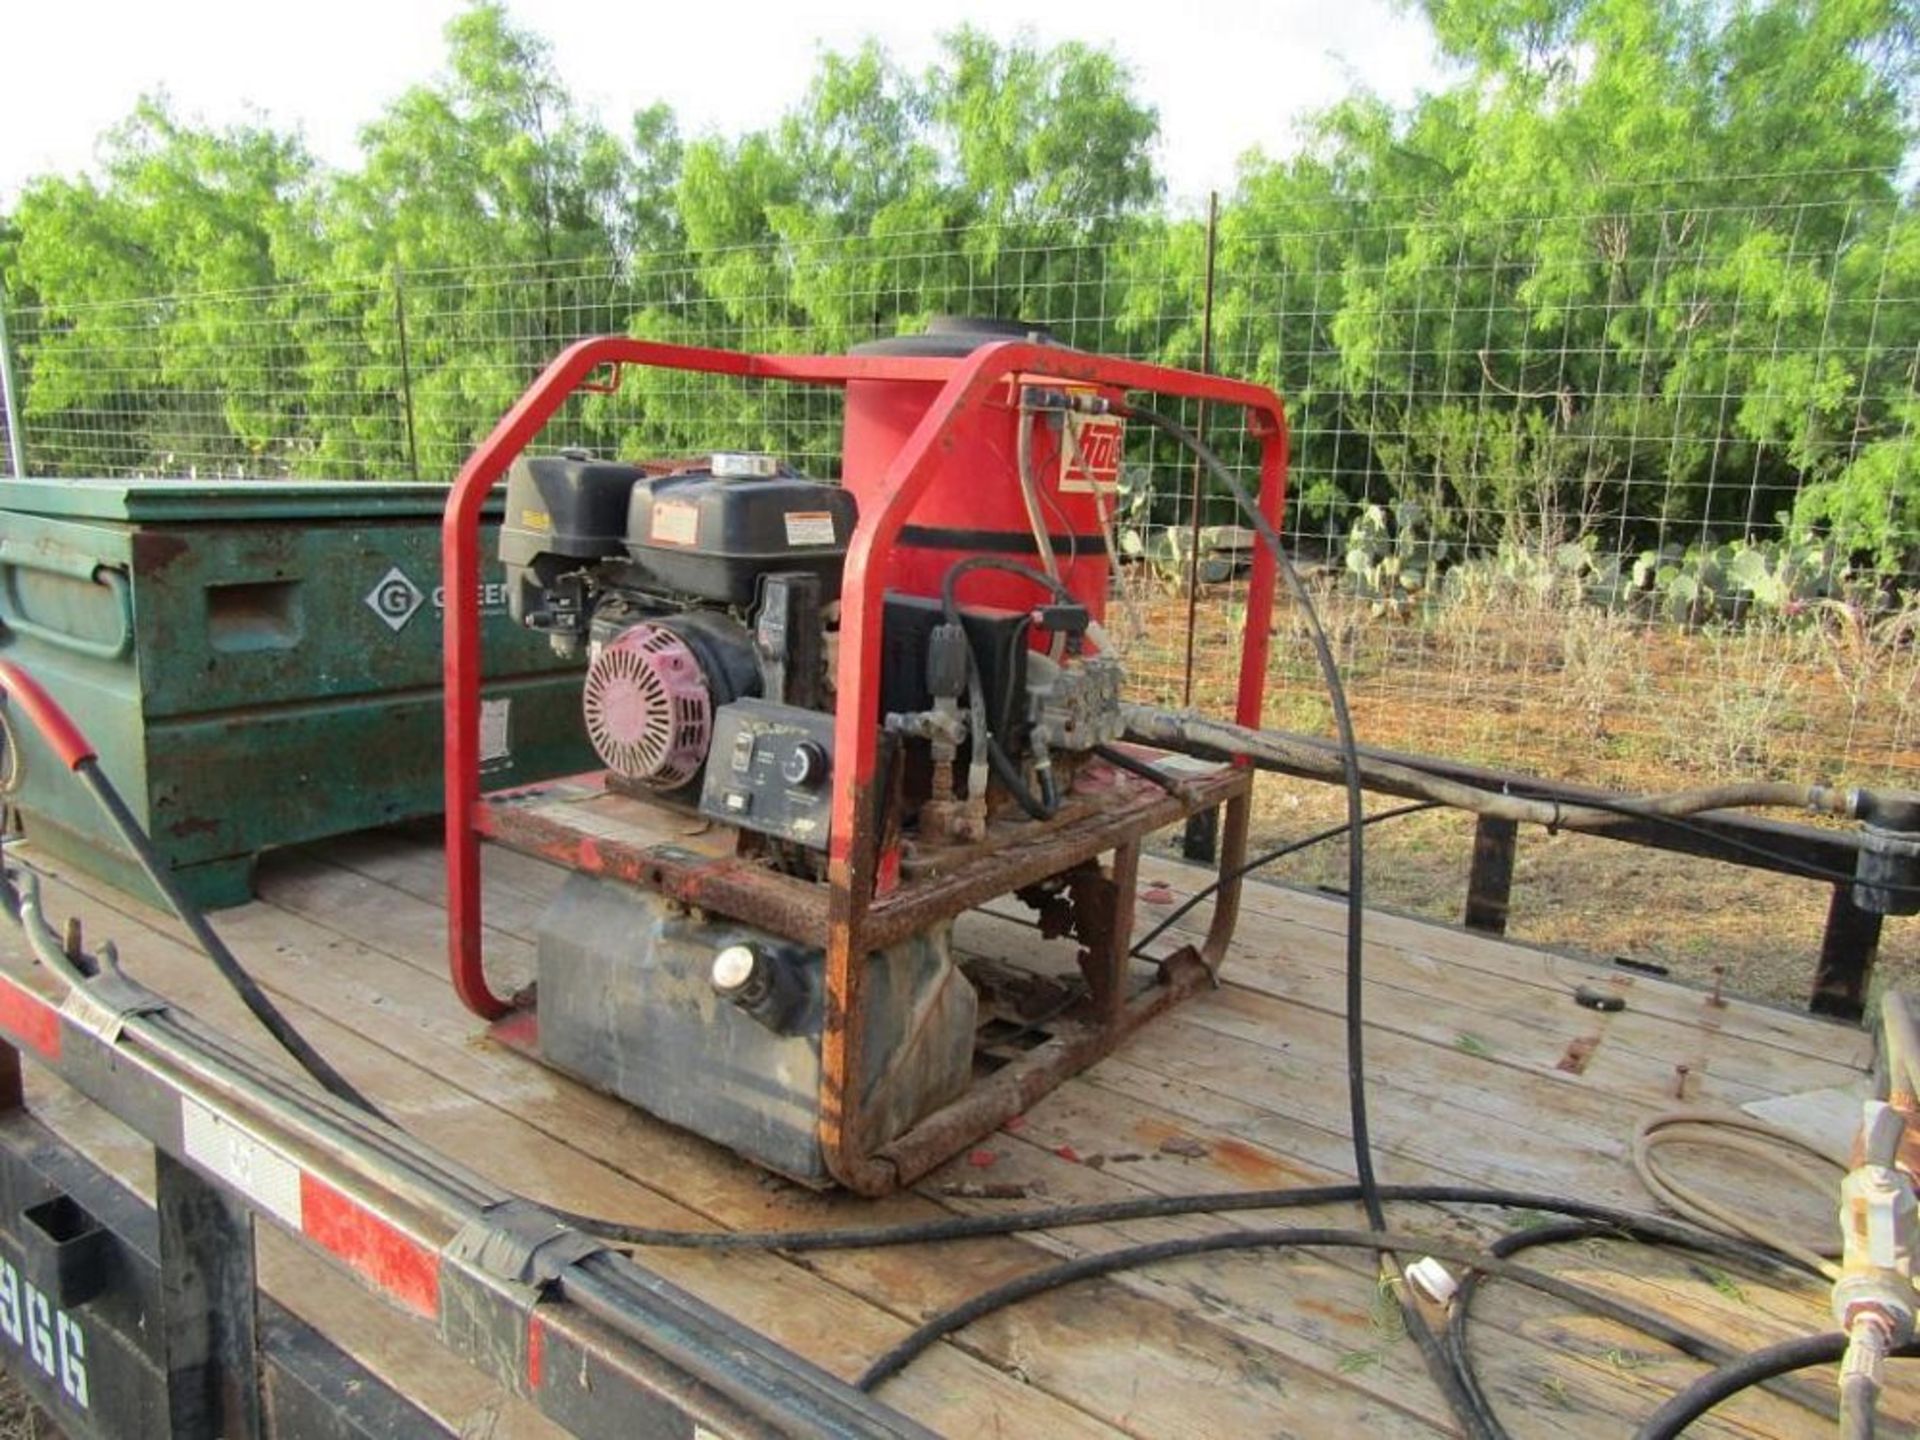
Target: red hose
pixel 53 723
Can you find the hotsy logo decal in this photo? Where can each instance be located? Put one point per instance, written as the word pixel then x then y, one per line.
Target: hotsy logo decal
pixel 395 598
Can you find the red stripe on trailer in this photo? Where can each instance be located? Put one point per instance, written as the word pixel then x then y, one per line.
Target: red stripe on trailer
pixel 29 1018
pixel 393 1261
pixel 536 1352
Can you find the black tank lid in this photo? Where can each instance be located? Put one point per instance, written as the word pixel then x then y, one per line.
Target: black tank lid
pixel 950 336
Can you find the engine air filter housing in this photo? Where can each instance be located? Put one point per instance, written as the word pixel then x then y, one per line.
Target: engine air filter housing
pixel 648 708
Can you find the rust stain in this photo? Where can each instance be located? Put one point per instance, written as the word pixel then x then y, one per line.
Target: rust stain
pixel 1345 1316
pixel 155 550
pixel 1152 1132
pixel 1579 1051
pixel 1251 1164
pixel 1235 1156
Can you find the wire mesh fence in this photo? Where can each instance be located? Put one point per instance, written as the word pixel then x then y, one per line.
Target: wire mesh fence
pixel 1619 496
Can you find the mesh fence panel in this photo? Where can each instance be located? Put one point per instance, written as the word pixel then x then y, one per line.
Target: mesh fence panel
pixel 1527 454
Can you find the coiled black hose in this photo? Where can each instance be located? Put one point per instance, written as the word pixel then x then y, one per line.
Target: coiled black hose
pixel 1749 1370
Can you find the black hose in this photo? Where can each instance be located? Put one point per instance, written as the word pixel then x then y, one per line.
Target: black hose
pixel 950 583
pixel 1688 1342
pixel 1134 765
pixel 1332 832
pixel 1442 1372
pixel 238 980
pixel 1107 1262
pixel 1859 1400
pixel 1008 774
pixel 1156 1207
pixel 1749 1370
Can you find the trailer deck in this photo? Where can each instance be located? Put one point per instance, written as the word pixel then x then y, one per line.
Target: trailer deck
pixel 1483 1071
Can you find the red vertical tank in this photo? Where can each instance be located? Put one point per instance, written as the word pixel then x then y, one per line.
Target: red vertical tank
pixel 974 505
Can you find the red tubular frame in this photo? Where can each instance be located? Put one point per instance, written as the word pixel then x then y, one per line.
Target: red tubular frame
pixel 969 383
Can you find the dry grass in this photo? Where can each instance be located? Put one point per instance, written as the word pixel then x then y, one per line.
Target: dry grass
pixel 20 1418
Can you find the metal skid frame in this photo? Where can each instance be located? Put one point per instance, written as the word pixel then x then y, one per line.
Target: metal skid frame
pixel 852 921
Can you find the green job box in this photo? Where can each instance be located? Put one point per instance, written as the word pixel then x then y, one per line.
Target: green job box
pixel 258 663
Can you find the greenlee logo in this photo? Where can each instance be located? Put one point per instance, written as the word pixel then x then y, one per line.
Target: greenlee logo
pixel 395 599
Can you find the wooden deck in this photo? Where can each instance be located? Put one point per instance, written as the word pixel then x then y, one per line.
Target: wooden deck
pixel 1483 1071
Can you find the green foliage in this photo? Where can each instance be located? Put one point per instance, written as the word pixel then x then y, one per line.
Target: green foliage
pixel 185 213
pixel 1535 305
pixel 1641 263
pixel 1395 563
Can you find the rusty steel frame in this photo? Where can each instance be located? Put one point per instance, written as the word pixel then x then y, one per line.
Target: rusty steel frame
pixel 854 919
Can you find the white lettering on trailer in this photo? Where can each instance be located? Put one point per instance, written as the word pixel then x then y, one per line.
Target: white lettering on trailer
pixel 52 1339
pixel 39 1329
pixel 251 1166
pixel 10 1304
pixel 73 1355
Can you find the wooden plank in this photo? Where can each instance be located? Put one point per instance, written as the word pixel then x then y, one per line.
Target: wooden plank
pixel 366 947
pixel 1430 1075
pixel 1119 1110
pixel 830 1323
pixel 1749 1020
pixel 1329 1355
pixel 1534 1353
pixel 1214 1296
pixel 1050 1336
pixel 1404 1375
pixel 1648 1025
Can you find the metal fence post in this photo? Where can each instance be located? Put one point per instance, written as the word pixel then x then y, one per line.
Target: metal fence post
pixel 406 365
pixel 1199 503
pixel 9 403
pixel 1200 842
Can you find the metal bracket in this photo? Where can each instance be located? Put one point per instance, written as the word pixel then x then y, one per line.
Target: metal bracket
pixel 522 1243
pixel 106 1002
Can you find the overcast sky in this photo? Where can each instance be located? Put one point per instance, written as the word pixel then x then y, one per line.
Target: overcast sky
pixel 1225 77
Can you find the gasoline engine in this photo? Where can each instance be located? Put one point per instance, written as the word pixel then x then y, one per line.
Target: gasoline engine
pixel 706 598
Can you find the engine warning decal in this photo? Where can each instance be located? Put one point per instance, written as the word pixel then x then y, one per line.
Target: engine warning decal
pixel 810 527
pixel 675 523
pixel 1090 454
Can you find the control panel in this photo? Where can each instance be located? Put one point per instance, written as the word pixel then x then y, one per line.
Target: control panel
pixel 768 770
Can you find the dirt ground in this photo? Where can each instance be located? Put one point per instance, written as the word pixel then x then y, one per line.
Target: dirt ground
pixel 1535 684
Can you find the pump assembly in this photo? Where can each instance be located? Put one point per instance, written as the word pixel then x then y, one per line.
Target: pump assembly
pixel 833 718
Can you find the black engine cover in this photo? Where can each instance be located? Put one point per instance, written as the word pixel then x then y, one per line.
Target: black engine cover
pixel 695 535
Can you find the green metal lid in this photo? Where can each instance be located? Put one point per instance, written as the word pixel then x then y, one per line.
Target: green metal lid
pixel 198 500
